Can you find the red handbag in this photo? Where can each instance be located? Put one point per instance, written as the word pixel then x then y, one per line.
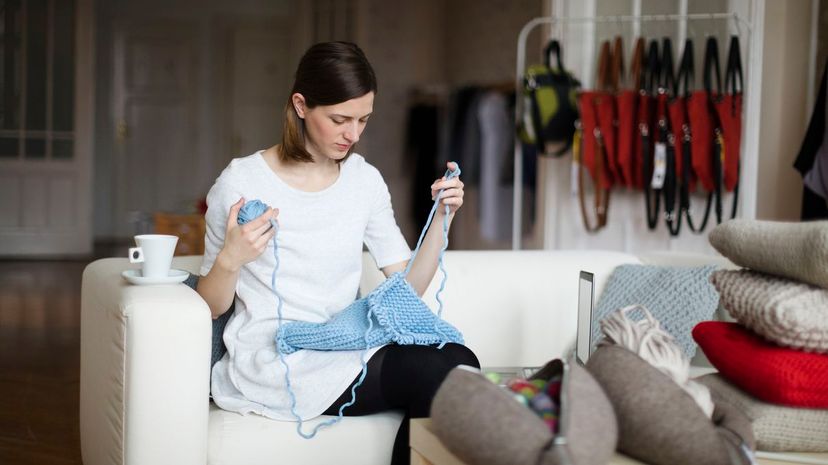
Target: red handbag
pixel 729 109
pixel 591 144
pixel 627 104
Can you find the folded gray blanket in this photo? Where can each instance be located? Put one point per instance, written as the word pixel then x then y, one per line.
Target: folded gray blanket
pixel 794 250
pixel 678 297
pixel 776 428
pixel 786 312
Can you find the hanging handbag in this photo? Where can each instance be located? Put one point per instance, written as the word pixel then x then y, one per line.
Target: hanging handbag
pixel 666 172
pixel 729 110
pixel 649 134
pixel 684 134
pixel 627 103
pixel 702 118
pixel 551 107
pixel 607 108
pixel 591 152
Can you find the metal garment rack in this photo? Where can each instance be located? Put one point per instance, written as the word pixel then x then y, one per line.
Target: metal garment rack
pixel 517 199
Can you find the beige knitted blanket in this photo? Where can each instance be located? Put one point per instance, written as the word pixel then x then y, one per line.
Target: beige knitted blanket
pixel 786 312
pixel 776 428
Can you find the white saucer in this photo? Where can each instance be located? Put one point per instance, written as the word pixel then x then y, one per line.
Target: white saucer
pixel 175 276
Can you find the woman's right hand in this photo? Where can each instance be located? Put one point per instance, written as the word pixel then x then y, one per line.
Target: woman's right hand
pixel 244 243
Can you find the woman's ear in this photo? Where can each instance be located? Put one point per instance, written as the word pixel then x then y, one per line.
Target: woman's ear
pixel 299 104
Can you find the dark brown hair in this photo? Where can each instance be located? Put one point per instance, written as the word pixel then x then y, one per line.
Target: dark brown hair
pixel 328 73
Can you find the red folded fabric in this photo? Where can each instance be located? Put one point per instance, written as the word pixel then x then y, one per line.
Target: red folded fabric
pixel 771 373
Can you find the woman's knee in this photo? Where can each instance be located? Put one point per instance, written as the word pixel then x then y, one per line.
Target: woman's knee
pixel 458 354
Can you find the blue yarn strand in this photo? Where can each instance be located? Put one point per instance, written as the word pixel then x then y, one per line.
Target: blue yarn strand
pixel 256 208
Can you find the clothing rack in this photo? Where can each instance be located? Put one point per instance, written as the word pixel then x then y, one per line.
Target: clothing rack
pixel 517 199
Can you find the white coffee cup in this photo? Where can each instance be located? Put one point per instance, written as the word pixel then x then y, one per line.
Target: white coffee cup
pixel 155 252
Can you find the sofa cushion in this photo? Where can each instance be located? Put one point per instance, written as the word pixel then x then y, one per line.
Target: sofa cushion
pixel 789 313
pixel 678 297
pixel 776 428
pixel 236 439
pixel 774 374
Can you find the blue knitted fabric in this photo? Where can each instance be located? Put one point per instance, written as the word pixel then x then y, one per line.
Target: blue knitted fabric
pixel 678 297
pixel 398 316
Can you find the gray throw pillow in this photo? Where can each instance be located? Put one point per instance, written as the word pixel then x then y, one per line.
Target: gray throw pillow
pixel 678 297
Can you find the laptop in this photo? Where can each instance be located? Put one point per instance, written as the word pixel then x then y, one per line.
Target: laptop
pixel 584 344
pixel 583 337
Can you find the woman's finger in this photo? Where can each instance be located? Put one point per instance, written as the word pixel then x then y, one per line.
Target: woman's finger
pixel 264 239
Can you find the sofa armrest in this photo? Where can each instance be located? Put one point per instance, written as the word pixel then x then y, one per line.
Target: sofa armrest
pixel 145 370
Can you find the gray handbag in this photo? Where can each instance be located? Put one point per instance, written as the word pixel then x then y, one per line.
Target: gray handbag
pixel 482 424
pixel 659 423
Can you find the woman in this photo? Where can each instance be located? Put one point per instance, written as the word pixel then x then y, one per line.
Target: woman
pixel 328 201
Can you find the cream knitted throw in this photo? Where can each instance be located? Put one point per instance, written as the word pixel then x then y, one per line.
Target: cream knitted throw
pixel 776 428
pixel 786 312
pixel 794 250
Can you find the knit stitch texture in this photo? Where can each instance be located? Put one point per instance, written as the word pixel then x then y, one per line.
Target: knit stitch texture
pixel 678 297
pixel 774 374
pixel 794 250
pixel 398 316
pixel 786 312
pixel 776 428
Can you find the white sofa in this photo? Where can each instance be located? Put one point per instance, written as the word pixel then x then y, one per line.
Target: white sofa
pixel 145 358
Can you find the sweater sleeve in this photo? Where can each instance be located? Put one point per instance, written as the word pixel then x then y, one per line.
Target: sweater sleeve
pixel 382 234
pixel 220 198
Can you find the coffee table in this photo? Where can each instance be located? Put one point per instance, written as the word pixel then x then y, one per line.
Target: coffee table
pixel 426 449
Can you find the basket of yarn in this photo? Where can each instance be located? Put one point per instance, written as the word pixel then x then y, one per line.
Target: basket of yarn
pixel 540 396
pixel 560 415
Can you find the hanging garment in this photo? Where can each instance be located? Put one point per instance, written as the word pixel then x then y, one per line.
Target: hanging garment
pixel 642 149
pixel 627 103
pixel 666 171
pixel 814 148
pixel 496 147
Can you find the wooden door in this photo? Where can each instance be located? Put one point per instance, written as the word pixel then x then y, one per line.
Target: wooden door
pixel 155 94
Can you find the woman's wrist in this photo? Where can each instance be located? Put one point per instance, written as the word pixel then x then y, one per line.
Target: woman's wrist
pixel 225 263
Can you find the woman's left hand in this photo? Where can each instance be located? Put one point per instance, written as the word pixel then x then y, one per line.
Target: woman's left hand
pixel 452 194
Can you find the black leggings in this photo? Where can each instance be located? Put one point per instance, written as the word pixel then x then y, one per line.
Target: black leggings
pixel 403 377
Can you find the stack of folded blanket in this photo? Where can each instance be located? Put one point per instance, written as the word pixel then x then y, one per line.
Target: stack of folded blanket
pixel 773 362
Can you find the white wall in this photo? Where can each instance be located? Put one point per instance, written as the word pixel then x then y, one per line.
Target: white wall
pixel 783 114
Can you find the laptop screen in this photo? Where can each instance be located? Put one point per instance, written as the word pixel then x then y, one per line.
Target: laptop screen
pixel 583 337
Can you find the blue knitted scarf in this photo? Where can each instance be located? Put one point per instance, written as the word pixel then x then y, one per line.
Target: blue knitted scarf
pixel 391 313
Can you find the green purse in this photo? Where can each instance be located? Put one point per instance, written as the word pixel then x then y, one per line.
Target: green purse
pixel 550 105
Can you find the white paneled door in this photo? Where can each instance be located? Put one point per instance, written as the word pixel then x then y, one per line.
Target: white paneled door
pixel 46 128
pixel 155 93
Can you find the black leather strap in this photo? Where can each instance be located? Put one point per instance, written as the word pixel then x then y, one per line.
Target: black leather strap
pixel 553 47
pixel 651 76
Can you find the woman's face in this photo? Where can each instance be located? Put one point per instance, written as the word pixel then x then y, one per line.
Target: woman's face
pixel 332 130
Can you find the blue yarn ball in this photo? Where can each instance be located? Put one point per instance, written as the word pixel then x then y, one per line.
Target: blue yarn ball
pixel 251 210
